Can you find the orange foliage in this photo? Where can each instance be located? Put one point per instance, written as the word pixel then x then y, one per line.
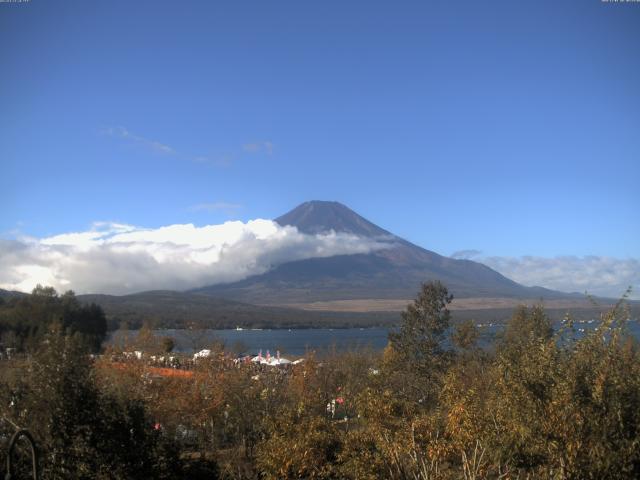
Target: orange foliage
pixel 160 371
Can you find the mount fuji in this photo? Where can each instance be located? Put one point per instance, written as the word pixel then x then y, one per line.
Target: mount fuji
pixel 393 272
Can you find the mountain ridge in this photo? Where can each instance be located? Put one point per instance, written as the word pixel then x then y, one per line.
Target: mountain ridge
pixel 314 216
pixel 393 272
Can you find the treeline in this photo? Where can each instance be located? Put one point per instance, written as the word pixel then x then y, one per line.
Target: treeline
pixel 170 309
pixel 538 404
pixel 25 319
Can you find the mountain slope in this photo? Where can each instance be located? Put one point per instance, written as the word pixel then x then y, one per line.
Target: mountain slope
pixel 393 272
pixel 318 216
pixel 5 294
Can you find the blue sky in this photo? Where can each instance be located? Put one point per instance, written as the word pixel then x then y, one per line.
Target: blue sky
pixel 511 128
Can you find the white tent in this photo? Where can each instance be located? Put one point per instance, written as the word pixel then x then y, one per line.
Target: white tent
pixel 274 362
pixel 202 354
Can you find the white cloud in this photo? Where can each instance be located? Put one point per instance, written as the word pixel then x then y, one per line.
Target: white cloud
pixel 152 145
pixel 597 275
pixel 466 254
pixel 118 259
pixel 217 160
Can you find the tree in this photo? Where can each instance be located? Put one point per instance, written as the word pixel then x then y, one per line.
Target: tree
pixel 62 404
pixel 146 341
pixel 82 431
pixel 168 344
pixel 424 322
pixel 527 325
pixel 30 317
pixel 88 320
pixel 465 335
pixel 416 358
pixel 295 447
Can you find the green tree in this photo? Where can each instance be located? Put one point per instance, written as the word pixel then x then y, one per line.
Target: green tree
pixel 424 323
pixel 83 432
pixel 30 317
pixel 62 405
pixel 416 353
pixel 168 344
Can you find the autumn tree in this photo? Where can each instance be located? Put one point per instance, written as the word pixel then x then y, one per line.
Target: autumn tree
pixel 83 432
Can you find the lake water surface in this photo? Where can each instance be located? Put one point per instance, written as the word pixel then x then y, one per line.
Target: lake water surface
pixel 297 342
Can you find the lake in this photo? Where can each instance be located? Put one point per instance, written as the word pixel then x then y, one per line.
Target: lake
pixel 297 342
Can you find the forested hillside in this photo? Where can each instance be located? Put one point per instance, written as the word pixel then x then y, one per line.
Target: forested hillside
pixel 25 319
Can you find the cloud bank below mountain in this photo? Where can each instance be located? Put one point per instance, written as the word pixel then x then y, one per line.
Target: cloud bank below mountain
pixel 595 275
pixel 119 259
